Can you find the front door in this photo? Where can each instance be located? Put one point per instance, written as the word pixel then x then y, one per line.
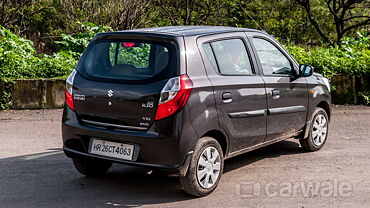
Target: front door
pixel 287 95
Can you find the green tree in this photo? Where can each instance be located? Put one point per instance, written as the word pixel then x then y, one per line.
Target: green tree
pixel 345 16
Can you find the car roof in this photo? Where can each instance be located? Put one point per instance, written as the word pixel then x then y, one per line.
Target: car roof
pixel 186 30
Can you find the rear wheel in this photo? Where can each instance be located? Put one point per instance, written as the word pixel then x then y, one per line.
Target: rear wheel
pixel 205 168
pixel 318 132
pixel 91 167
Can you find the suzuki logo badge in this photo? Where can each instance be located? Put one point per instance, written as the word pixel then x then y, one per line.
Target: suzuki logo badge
pixel 110 93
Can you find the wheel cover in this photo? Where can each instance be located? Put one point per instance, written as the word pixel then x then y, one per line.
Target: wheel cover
pixel 319 130
pixel 208 167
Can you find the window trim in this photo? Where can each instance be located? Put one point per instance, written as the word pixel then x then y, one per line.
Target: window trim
pixel 281 51
pixel 213 54
pixel 230 38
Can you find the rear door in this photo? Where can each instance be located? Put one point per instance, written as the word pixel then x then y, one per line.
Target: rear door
pixel 119 81
pixel 287 95
pixel 239 90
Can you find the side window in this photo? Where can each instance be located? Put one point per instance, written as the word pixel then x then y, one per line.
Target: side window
pixel 272 60
pixel 230 56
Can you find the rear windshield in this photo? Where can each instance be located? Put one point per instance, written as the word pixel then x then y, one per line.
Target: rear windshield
pixel 128 60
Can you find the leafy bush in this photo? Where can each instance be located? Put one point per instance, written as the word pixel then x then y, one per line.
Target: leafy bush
pixel 365 98
pixel 363 40
pixel 77 43
pixel 6 87
pixel 18 59
pixel 56 65
pixel 352 57
pixel 16 54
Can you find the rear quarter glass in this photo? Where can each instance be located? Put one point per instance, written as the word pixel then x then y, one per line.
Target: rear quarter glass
pixel 129 61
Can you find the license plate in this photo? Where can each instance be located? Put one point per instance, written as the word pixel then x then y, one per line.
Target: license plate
pixel 112 149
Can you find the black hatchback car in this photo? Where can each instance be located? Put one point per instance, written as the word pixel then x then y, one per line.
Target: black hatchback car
pixel 184 99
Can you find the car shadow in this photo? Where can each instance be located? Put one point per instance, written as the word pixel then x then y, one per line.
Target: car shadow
pixel 49 178
pixel 286 147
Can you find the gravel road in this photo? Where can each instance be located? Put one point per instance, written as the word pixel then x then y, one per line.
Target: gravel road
pixel 34 172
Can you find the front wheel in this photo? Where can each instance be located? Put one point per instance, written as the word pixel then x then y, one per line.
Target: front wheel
pixel 318 132
pixel 205 168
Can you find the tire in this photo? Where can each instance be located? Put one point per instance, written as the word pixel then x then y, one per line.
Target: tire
pixel 207 163
pixel 315 142
pixel 91 167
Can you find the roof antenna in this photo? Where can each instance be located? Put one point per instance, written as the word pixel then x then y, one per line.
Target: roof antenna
pixel 253 20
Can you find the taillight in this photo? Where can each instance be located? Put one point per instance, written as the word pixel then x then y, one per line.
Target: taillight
pixel 174 96
pixel 69 90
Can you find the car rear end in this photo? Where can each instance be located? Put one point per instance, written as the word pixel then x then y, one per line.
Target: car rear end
pixel 126 101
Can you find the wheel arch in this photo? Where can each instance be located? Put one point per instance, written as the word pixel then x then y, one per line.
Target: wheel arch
pixel 220 137
pixel 322 104
pixel 325 105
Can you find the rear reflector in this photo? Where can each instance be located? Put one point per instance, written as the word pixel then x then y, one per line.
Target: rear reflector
pixel 174 96
pixel 69 100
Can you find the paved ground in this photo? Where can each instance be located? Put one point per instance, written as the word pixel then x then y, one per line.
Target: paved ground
pixel 35 173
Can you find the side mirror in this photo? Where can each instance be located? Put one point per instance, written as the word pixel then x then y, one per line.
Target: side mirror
pixel 305 70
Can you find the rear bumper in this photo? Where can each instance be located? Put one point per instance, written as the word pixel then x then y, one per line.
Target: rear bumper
pixel 170 171
pixel 167 145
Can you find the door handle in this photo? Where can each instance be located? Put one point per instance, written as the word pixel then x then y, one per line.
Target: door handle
pixel 227 97
pixel 275 94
